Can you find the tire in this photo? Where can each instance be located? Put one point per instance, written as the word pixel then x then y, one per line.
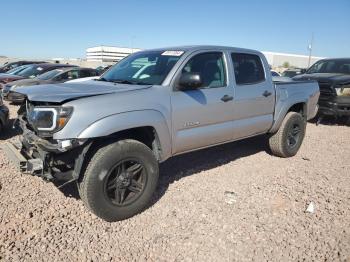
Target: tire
pixel 281 143
pixel 113 194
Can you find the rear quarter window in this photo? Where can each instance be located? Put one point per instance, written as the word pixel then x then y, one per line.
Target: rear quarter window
pixel 248 68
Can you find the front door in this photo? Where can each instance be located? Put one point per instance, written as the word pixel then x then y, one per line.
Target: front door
pixel 203 117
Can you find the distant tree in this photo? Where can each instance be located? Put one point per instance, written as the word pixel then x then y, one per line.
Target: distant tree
pixel 286 64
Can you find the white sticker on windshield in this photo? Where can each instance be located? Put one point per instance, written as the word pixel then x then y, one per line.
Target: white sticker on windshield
pixel 173 53
pixel 39 69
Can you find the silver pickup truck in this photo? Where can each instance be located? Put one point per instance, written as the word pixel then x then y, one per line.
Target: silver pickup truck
pixel 109 134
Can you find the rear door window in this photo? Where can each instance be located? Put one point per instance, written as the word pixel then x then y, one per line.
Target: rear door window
pixel 248 68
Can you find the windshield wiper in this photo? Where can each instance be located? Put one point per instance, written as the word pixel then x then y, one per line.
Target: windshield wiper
pixel 102 79
pixel 123 81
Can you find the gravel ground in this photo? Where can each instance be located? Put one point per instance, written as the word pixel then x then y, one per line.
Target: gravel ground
pixel 229 203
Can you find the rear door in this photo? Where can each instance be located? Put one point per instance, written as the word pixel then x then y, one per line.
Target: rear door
pixel 203 117
pixel 254 99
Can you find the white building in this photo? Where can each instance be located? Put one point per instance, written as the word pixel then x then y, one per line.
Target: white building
pixel 108 53
pixel 300 61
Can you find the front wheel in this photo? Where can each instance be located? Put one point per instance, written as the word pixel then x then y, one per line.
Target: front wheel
pixel 120 180
pixel 288 139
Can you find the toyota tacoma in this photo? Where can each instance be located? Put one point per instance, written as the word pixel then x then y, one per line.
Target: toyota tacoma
pixel 109 134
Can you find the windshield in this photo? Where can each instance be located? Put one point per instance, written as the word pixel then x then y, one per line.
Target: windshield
pixel 31 71
pixel 341 66
pixel 16 70
pixel 49 75
pixel 149 68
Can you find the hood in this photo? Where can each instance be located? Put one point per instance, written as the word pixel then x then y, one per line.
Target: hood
pixel 59 93
pixel 10 78
pixel 26 82
pixel 325 77
pixel 5 74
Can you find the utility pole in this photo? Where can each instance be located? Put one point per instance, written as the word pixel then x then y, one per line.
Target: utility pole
pixel 132 37
pixel 310 49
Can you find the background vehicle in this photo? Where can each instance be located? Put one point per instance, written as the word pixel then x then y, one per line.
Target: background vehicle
pixel 293 72
pixel 13 65
pixel 4 115
pixel 31 72
pixel 59 75
pixel 333 76
pixel 102 69
pixel 16 70
pixel 188 98
pixel 282 79
pixel 85 79
pixel 274 73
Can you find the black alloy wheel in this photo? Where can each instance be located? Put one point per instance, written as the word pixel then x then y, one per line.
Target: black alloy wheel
pixel 125 182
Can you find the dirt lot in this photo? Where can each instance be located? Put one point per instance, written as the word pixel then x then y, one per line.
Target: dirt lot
pixel 230 203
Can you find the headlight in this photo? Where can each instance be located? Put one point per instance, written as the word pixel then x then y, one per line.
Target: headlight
pixel 343 90
pixel 49 119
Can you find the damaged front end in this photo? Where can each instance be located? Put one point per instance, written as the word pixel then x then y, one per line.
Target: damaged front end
pixel 334 99
pixel 37 153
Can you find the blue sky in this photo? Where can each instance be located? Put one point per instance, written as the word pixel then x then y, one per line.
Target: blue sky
pixel 65 28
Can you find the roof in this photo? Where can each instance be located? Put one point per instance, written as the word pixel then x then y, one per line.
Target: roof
pixel 202 47
pixel 69 68
pixel 48 65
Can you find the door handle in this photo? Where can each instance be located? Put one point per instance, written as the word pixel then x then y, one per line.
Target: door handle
pixel 226 98
pixel 266 93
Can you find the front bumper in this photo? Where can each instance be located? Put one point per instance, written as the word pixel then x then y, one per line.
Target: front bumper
pixel 26 165
pixel 337 107
pixel 36 156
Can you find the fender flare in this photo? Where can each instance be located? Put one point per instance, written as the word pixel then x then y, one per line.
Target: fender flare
pixel 279 116
pixel 132 119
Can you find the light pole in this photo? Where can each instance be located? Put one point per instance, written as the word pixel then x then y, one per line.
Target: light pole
pixel 310 50
pixel 132 37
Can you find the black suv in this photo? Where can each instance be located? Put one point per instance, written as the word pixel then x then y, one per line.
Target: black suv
pixel 333 76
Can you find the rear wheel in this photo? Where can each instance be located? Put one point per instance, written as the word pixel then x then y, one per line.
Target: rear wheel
pixel 119 180
pixel 288 139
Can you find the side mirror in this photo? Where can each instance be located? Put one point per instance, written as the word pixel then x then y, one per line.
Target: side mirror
pixel 189 81
pixel 303 71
